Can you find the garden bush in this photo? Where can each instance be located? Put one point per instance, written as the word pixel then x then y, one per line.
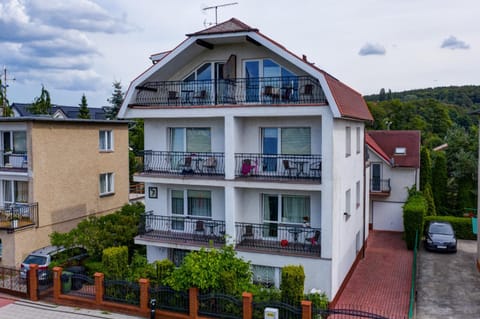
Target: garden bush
pixel 414 212
pixel 461 225
pixel 115 262
pixel 293 278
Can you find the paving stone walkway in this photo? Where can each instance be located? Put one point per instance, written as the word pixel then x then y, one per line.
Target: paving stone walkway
pixel 381 282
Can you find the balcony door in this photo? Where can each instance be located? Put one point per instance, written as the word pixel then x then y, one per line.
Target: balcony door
pixel 188 206
pixel 14 145
pixel 188 142
pixel 376 170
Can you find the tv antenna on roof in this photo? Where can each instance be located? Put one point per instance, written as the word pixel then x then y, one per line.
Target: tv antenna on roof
pixel 3 87
pixel 216 9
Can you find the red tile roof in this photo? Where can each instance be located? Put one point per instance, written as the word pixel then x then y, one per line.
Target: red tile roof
pixel 385 143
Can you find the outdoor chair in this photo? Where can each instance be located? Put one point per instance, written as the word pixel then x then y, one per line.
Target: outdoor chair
pixel 312 241
pixel 288 168
pixel 248 233
pixel 200 227
pixel 306 93
pixel 210 165
pixel 186 165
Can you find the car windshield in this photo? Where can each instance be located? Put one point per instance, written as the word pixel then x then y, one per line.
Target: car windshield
pixel 33 259
pixel 443 229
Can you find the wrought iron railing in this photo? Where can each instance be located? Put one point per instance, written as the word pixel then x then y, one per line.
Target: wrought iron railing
pixel 12 282
pixel 17 161
pixel 285 310
pixel 16 216
pixel 187 229
pixel 278 166
pixel 217 305
pixel 262 90
pixel 122 291
pixel 380 185
pixel 169 299
pixel 184 163
pixel 292 238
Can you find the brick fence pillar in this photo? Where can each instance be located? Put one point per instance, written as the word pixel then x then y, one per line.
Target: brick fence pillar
pixel 32 284
pixel 247 305
pixel 306 309
pixel 99 278
pixel 144 295
pixel 57 282
pixel 193 307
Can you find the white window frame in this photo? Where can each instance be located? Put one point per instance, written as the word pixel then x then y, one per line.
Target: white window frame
pixel 277 275
pixel 109 179
pixel 358 194
pixel 185 203
pixel 280 209
pixel 348 203
pixel 348 141
pixel 12 185
pixel 105 140
pixel 358 139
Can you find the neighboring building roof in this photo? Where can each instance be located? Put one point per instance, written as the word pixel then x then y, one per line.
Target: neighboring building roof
pixel 71 112
pixel 387 144
pixel 349 102
pixel 61 120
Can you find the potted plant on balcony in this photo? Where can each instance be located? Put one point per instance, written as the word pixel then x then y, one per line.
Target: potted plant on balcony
pixel 14 220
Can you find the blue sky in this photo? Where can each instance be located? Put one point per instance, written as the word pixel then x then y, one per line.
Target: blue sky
pixel 81 46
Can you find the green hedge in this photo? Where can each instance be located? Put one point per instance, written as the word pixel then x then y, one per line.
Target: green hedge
pixel 414 212
pixel 115 262
pixel 292 285
pixel 461 225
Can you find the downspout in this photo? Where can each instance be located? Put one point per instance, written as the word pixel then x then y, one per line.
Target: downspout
pixel 365 157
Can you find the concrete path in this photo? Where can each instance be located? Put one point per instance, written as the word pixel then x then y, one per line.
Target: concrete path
pixel 382 280
pixel 25 309
pixel 448 285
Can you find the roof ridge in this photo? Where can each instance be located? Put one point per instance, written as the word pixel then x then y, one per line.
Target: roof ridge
pixel 230 26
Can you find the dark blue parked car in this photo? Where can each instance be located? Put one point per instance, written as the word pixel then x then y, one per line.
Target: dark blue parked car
pixel 440 236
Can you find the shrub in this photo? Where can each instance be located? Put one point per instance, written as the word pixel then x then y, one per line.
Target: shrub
pixel 319 299
pixel 293 278
pixel 160 271
pixel 93 266
pixel 461 225
pixel 414 212
pixel 115 262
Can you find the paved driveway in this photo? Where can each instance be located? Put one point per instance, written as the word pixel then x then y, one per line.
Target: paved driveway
pixel 448 285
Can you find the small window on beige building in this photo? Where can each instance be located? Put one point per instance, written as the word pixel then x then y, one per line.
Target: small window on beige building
pixel 105 141
pixel 106 184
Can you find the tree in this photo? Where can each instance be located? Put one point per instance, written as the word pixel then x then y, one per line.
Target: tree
pixel 83 113
pixel 41 104
pixel 425 168
pixel 381 95
pixel 439 182
pixel 427 193
pixel 115 101
pixel 6 110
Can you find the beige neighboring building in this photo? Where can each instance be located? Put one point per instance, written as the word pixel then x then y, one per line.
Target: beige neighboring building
pixel 53 174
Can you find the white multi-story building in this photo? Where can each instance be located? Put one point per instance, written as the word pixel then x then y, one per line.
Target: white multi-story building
pixel 250 145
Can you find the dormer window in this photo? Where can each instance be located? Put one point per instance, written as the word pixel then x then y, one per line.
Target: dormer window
pixel 400 150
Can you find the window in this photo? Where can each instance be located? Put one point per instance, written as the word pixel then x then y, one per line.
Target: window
pixel 106 184
pixel 177 256
pixel 196 203
pixel 348 209
pixel 357 196
pixel 190 139
pixel 400 150
pixel 15 191
pixel 14 141
pixel 348 141
pixel 358 140
pixel 266 276
pixel 285 208
pixel 105 140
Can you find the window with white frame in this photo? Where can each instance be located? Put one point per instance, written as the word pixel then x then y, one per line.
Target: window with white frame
pixel 358 140
pixel 15 191
pixel 190 139
pixel 194 203
pixel 178 255
pixel 348 209
pixel 348 141
pixel 357 196
pixel 105 140
pixel 266 276
pixel 106 184
pixel 291 209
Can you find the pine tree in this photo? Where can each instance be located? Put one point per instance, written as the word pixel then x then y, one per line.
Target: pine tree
pixel 6 110
pixel 425 168
pixel 83 113
pixel 427 193
pixel 41 104
pixel 440 182
pixel 115 101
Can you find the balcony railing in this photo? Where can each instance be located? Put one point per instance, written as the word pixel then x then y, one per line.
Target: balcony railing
pixel 187 230
pixel 184 163
pixel 278 238
pixel 264 90
pixel 380 185
pixel 17 216
pixel 17 161
pixel 275 166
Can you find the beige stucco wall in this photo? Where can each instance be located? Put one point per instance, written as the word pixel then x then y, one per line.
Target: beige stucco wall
pixel 64 168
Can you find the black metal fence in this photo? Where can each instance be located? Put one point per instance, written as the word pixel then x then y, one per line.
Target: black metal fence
pixel 17 216
pixel 261 90
pixel 80 285
pixel 185 229
pixel 380 185
pixel 282 238
pixel 122 291
pixel 218 305
pixel 283 166
pixel 15 161
pixel 285 310
pixel 11 282
pixel 183 163
pixel 169 299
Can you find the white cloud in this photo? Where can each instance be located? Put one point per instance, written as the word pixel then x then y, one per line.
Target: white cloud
pixel 453 43
pixel 372 49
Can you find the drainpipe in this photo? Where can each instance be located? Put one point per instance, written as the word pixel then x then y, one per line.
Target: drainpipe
pixel 365 158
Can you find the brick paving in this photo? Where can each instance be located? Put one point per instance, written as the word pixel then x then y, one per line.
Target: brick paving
pixel 382 280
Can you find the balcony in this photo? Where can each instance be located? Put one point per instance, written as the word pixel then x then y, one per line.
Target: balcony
pixel 185 230
pixel 244 91
pixel 278 167
pixel 380 187
pixel 13 162
pixel 278 239
pixel 183 163
pixel 18 216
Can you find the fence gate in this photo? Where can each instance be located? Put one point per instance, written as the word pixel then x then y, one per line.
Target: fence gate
pixel 11 282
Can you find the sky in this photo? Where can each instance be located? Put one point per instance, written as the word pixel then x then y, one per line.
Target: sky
pixel 76 47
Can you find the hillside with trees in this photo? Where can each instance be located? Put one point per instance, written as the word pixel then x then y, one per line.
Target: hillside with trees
pixel 443 115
